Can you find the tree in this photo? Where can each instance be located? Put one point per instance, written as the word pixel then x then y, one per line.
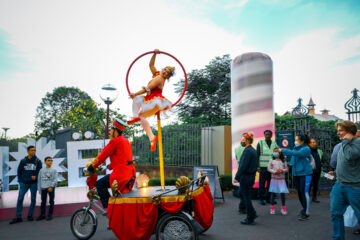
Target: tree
pixel 87 116
pixel 208 95
pixel 55 105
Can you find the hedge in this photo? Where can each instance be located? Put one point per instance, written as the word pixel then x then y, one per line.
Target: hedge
pixel 226 181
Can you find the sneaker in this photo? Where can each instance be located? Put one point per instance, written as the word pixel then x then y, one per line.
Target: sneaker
pixel 315 200
pixel 49 218
pixel 41 217
pixel 304 217
pixel 272 209
pixel 283 211
pixel 247 221
pixel 16 220
pixel 30 218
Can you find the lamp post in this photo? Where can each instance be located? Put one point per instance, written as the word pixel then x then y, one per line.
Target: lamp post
pixel 5 130
pixel 108 94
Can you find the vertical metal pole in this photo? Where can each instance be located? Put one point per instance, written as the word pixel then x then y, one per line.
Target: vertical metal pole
pixel 162 178
pixel 107 120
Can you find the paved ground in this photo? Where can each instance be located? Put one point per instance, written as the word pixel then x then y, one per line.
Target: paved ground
pixel 226 225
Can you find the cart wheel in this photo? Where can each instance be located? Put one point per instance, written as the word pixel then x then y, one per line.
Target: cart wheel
pixel 175 227
pixel 83 223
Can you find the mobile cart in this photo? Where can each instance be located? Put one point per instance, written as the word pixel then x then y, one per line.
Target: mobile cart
pixel 176 213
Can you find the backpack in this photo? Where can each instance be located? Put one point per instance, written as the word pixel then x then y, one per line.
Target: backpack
pixel 311 161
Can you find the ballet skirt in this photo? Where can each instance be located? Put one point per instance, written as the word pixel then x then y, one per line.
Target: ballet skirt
pixel 150 104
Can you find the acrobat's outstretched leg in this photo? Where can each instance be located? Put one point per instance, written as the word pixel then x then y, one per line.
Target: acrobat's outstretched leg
pixel 153 139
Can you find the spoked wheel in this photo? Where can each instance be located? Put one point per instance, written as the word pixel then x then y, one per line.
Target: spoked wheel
pixel 175 227
pixel 83 223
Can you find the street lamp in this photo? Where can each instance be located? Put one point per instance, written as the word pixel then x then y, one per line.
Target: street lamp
pixel 5 130
pixel 108 94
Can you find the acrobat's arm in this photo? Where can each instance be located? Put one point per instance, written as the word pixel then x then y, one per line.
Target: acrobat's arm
pixel 152 62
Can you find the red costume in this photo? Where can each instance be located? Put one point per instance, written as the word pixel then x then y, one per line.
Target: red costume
pixel 120 153
pixel 149 104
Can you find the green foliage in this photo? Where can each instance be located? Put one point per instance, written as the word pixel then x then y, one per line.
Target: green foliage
pixel 55 105
pixel 286 122
pixel 85 116
pixel 181 146
pixel 157 181
pixel 208 95
pixel 283 122
pixel 62 184
pixel 226 182
pixel 12 143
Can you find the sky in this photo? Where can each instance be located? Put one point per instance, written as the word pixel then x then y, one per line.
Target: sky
pixel 314 45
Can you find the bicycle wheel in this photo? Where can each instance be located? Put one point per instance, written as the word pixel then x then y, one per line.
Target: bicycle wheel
pixel 175 227
pixel 83 223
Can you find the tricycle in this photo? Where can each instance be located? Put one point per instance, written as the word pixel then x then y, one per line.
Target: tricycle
pixel 177 212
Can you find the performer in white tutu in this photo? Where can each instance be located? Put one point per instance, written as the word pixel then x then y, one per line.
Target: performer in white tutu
pixel 278 167
pixel 148 105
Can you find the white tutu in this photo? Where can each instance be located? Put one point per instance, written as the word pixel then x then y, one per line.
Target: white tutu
pixel 148 108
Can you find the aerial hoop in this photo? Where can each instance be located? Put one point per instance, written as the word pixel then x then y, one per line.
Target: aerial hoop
pixel 160 52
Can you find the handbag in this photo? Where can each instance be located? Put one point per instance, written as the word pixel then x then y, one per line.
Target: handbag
pixel 312 161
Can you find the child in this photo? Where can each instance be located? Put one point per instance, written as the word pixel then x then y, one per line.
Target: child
pixel 278 167
pixel 46 185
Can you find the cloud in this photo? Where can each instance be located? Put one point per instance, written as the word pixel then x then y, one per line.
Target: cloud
pixel 87 44
pixel 236 4
pixel 10 59
pixel 309 65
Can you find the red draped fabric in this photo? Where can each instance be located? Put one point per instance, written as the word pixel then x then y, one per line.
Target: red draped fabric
pixel 133 218
pixel 172 205
pixel 204 208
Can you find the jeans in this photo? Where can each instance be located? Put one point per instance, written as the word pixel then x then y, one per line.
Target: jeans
pixel 340 197
pixel 265 177
pixel 44 193
pixel 302 184
pixel 24 187
pixel 102 186
pixel 246 183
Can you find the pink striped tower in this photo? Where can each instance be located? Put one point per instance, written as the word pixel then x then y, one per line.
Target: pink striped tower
pixel 251 98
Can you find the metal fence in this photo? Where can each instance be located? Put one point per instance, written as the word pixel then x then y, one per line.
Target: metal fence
pixel 181 146
pixel 301 124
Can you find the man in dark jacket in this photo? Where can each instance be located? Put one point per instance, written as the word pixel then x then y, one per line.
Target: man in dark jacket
pixel 317 155
pixel 246 176
pixel 28 170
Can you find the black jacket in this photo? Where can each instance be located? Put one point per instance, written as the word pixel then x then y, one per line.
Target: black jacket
pixel 248 163
pixel 28 168
pixel 315 154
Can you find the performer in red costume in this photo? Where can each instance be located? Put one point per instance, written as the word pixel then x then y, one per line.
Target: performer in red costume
pixel 153 101
pixel 120 153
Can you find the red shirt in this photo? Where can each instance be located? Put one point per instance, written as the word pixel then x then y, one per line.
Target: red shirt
pixel 120 153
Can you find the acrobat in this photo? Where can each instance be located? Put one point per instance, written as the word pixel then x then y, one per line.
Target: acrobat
pixel 145 106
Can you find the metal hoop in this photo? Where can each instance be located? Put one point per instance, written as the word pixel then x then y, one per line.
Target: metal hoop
pixel 151 52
